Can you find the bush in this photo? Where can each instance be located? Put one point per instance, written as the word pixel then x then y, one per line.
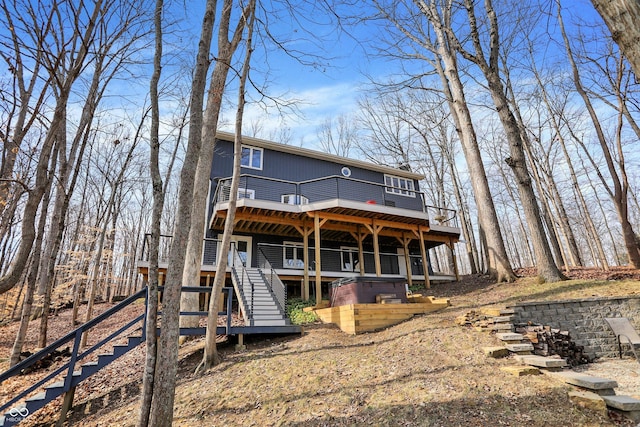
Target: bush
pixel 295 307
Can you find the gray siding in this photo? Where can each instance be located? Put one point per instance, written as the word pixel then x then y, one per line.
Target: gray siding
pixel 295 168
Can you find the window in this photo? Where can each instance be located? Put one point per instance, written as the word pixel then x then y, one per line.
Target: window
pixel 398 185
pixel 246 193
pixel 294 199
pixel 293 255
pixel 349 259
pixel 251 157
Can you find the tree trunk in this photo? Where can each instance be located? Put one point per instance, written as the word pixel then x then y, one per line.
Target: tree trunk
pixel 547 269
pixel 210 357
pixel 31 285
pixel 622 17
pixel 151 325
pixel 498 262
pixel 618 181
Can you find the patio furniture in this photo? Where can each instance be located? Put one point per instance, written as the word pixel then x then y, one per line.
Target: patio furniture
pixel 625 333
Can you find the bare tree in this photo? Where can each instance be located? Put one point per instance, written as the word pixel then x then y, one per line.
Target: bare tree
pixel 204 129
pixel 487 59
pixel 445 63
pixel 337 136
pixel 618 175
pixel 622 17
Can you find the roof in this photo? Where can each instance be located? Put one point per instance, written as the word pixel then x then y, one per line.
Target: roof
pixel 299 151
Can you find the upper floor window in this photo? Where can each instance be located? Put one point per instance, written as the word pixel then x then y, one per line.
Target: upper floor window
pixel 294 199
pixel 251 157
pixel 399 185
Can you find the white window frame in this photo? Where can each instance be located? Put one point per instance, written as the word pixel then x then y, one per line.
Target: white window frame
pixel 252 150
pixel 353 258
pixel 399 185
pixel 297 199
pixel 246 193
pixel 295 262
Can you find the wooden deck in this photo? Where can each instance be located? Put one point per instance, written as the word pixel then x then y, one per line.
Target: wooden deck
pixel 358 318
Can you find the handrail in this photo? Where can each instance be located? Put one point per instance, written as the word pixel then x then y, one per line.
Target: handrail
pixel 238 284
pixel 58 343
pixel 76 355
pixel 421 194
pixel 280 292
pixel 442 219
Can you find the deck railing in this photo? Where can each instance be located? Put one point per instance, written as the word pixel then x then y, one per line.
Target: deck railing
pixel 333 187
pixel 276 255
pixel 338 259
pixel 209 250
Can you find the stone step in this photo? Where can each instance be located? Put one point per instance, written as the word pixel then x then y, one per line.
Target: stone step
pixel 509 336
pixel 501 327
pixel 588 400
pixel 624 403
pixel 507 311
pixel 543 362
pixel 503 319
pixel 520 371
pixel 495 352
pixel 519 347
pixel 587 381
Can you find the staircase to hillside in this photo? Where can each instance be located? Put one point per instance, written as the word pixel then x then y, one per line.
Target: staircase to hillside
pixel 259 305
pixel 64 379
pixel 262 294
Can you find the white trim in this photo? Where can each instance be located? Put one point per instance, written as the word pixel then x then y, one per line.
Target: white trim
pixel 246 193
pixel 295 262
pixel 294 199
pixel 235 239
pixel 352 263
pixel 252 150
pixel 399 186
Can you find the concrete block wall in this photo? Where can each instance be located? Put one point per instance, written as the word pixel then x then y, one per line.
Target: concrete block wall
pixel 584 319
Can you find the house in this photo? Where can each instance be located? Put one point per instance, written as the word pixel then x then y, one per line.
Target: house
pixel 305 219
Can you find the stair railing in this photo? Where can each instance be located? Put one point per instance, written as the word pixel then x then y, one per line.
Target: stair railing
pixel 275 285
pixel 241 277
pixel 76 355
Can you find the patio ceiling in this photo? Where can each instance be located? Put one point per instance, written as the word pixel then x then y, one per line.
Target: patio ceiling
pixel 339 223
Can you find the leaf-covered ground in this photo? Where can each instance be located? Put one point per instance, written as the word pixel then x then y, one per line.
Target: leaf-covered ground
pixel 424 372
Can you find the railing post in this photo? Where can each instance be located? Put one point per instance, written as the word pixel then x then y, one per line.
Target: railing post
pixel 72 360
pixel 146 313
pixel 229 308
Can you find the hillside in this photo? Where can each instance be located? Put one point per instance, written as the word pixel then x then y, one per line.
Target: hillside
pixel 423 372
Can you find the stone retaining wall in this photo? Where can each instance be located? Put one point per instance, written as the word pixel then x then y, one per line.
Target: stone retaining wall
pixel 584 319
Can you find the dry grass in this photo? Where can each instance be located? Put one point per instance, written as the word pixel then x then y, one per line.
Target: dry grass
pixel 423 372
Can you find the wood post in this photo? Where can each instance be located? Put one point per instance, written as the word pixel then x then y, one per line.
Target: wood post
pixel 455 261
pixel 407 260
pixel 425 260
pixel 67 404
pixel 376 247
pixel 316 226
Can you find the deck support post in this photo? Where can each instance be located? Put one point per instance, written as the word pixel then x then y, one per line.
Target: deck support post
pixel 407 260
pixel 425 260
pixel 240 345
pixel 316 227
pixel 306 231
pixel 375 229
pixel 455 261
pixel 67 404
